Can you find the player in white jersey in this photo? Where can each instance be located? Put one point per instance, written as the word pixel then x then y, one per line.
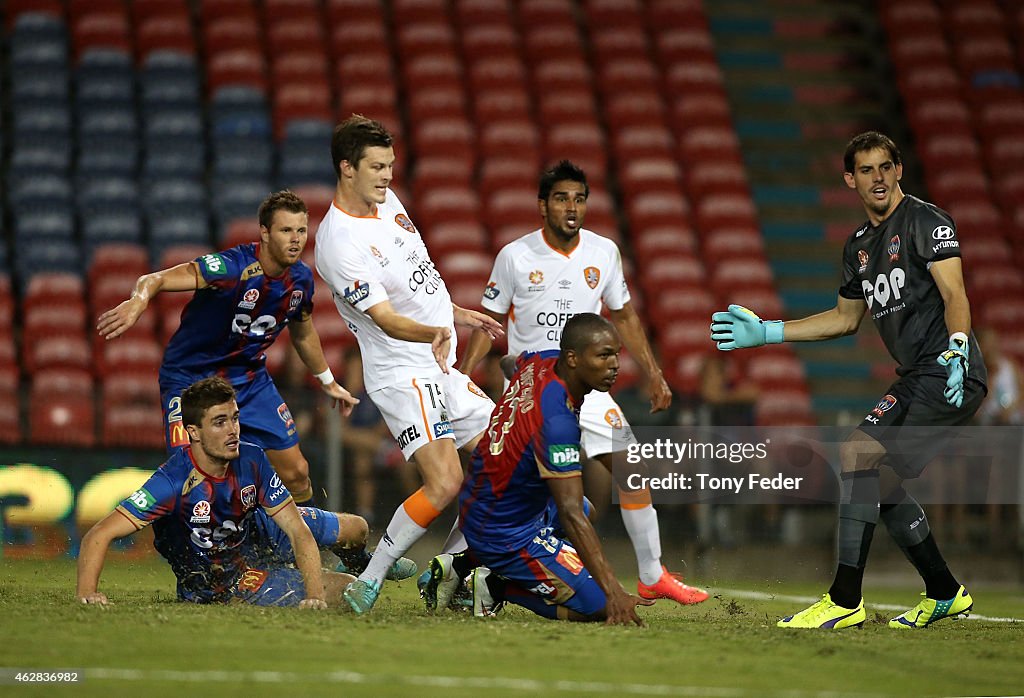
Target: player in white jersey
pixel 395 302
pixel 541 280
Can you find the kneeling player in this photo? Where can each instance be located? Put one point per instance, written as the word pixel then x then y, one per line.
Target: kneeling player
pixel 224 520
pixel 524 483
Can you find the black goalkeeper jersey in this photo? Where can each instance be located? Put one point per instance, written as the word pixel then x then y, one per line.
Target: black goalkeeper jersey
pixel 888 267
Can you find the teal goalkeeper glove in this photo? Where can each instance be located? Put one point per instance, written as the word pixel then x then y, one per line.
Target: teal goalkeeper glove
pixel 955 361
pixel 740 328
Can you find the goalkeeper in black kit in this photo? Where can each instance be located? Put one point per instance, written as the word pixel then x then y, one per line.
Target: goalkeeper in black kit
pixel 903 268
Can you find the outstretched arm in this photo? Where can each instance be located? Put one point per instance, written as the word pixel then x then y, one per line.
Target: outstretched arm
pixel 93 553
pixel 627 322
pixel 307 345
pixel 407 329
pixel 307 555
pixel 182 277
pixel 480 343
pixel 842 320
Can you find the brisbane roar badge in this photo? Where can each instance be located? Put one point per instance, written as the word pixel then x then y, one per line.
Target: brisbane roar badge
pixel 592 275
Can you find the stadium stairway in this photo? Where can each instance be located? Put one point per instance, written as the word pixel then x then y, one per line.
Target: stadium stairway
pixel 803 76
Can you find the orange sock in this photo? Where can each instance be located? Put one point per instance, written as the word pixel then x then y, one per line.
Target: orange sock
pixel 636 499
pixel 419 508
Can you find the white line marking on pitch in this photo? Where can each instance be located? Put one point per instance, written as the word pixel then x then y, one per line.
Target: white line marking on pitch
pixel 766 596
pixel 447 682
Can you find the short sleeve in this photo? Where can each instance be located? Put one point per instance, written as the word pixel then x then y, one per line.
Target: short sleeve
pixel 850 287
pixel 221 269
pixel 616 292
pixel 934 236
pixel 154 500
pixel 498 292
pixel 557 445
pixel 352 275
pixel 306 303
pixel 273 496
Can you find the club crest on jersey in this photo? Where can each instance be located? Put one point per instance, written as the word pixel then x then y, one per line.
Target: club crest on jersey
pixel 286 415
pixel 249 299
pixel 613 418
pixel 884 405
pixel 862 257
pixel 295 300
pixel 491 291
pixel 201 512
pixel 356 293
pixel 248 497
pixel 403 220
pixel 592 275
pixel 894 248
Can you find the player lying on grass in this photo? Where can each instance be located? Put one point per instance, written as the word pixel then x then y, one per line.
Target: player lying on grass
pixel 522 500
pixel 226 523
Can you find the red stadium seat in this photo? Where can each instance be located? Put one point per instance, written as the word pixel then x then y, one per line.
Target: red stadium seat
pixel 10 418
pixel 133 426
pixel 541 13
pixel 64 421
pixel 424 38
pixel 127 353
pixel 448 204
pixel 489 39
pixel 509 138
pixel 444 136
pixel 165 32
pixel 437 103
pixel 670 238
pixel 212 10
pixel 67 320
pixel 497 72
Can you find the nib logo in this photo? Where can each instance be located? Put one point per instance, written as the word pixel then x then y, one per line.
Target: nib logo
pixel 563 454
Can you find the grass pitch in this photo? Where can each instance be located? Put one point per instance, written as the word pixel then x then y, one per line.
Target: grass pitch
pixel 149 644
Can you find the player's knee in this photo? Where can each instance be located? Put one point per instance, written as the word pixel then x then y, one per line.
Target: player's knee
pixel 352 530
pixel 857 455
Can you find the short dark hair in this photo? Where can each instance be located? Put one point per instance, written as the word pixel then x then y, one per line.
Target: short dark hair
pixel 581 329
pixel 869 140
pixel 353 136
pixel 564 170
pixel 284 199
pixel 201 396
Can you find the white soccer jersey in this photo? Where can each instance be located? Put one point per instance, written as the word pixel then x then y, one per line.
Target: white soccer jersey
pixel 540 288
pixel 370 259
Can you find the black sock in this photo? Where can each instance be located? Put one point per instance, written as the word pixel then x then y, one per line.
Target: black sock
pixel 355 559
pixel 461 565
pixel 846 589
pixel 939 582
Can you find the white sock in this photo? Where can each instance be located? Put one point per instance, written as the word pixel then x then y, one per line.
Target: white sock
pixel 400 535
pixel 456 542
pixel 642 527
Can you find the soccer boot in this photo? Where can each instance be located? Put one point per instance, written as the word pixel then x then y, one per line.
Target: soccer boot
pixel 400 569
pixel 484 604
pixel 826 614
pixel 443 582
pixel 670 586
pixel 929 610
pixel 361 595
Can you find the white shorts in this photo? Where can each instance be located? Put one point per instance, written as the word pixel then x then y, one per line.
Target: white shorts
pixel 604 427
pixel 435 406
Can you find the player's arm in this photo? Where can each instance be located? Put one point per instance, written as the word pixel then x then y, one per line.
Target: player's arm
pixel 93 553
pixel 949 277
pixel 475 320
pixel 405 328
pixel 182 277
pixel 307 345
pixel 307 555
pixel 842 320
pixel 568 495
pixel 627 322
pixel 741 328
pixel 480 343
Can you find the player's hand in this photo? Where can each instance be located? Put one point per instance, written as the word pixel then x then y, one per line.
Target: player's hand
pixel 440 346
pixel 661 395
pixel 95 597
pixel 479 321
pixel 955 361
pixel 313 603
pixel 119 320
pixel 621 608
pixel 343 399
pixel 741 328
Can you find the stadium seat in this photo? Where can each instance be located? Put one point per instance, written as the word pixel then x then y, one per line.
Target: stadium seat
pixel 58 352
pixel 133 426
pixel 62 421
pixel 10 417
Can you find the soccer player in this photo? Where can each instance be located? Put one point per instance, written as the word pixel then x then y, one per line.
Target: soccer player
pixel 223 519
pixel 386 287
pixel 521 506
pixel 244 298
pixel 903 267
pixel 541 280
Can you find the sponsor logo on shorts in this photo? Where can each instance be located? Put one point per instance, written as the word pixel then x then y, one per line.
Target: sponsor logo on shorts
pixel 592 275
pixel 141 499
pixel 544 589
pixel 214 264
pixel 894 248
pixel 569 559
pixel 491 291
pixel 943 232
pixel 407 436
pixel 862 257
pixel 356 293
pixel 403 220
pixel 563 454
pixel 884 405
pixel 252 580
pixel 248 497
pixel 249 299
pixel 286 415
pixel 613 417
pixel 295 300
pixel 442 428
pixel 475 389
pixel 200 512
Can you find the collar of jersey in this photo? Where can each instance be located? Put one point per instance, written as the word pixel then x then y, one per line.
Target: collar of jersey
pixel 579 241
pixel 191 457
pixel 352 215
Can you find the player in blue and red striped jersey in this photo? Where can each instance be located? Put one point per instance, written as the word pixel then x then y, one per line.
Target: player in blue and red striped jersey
pixel 224 520
pixel 524 488
pixel 244 298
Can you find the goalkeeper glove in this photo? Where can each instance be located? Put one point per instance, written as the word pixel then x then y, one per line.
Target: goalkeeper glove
pixel 955 361
pixel 740 328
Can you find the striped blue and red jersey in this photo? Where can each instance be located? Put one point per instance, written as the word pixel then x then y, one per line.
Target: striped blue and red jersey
pixel 227 326
pixel 533 436
pixel 201 523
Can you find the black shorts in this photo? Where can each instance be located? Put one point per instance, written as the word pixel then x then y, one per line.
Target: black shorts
pixel 913 420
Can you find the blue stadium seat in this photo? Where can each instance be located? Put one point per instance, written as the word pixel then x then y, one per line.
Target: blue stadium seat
pixel 108 120
pixel 111 227
pixel 103 195
pixel 45 45
pixel 242 156
pixel 40 192
pixel 33 257
pixel 170 92
pixel 173 122
pixel 37 152
pixel 108 155
pixel 44 117
pixel 305 165
pixel 237 199
pixel 95 89
pixel 40 83
pixel 57 222
pixel 174 156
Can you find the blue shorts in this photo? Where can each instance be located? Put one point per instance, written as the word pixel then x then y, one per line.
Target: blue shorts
pixel 264 416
